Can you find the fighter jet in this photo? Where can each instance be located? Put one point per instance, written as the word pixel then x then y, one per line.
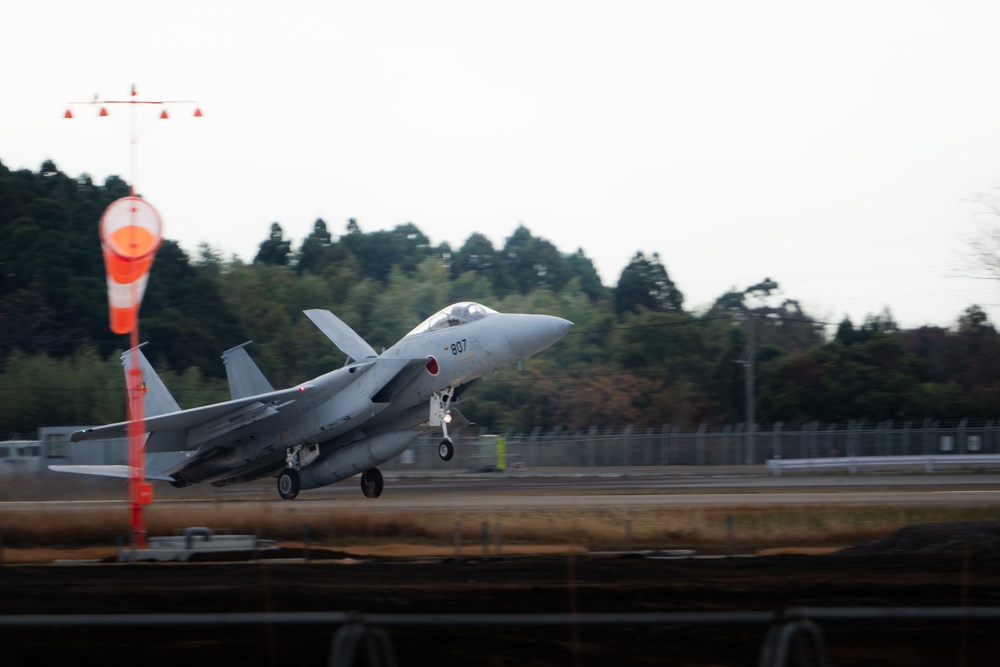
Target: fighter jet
pixel 340 424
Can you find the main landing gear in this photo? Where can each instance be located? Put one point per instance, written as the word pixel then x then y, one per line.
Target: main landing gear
pixel 288 483
pixel 440 414
pixel 295 458
pixel 371 483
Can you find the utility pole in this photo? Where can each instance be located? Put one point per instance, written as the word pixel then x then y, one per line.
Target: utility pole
pixel 751 407
pixel 762 288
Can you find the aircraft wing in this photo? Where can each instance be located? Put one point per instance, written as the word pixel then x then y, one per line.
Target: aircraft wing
pixel 343 336
pixel 124 472
pixel 188 419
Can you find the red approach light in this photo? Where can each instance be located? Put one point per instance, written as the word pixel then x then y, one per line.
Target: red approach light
pixel 68 114
pixel 432 366
pixel 302 388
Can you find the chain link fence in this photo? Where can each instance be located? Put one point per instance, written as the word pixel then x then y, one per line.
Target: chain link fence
pixel 612 446
pixel 704 446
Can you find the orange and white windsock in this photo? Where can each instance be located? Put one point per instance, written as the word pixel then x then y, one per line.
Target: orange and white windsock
pixel 130 237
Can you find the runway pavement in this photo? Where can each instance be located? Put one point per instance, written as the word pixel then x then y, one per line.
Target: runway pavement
pixel 507 502
pixel 594 488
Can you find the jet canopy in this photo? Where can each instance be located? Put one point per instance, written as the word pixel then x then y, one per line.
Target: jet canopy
pixel 453 316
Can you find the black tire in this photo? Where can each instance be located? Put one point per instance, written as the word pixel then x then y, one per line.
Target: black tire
pixel 446 450
pixel 372 483
pixel 288 483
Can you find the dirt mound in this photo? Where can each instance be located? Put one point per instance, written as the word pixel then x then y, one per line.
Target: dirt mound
pixel 981 537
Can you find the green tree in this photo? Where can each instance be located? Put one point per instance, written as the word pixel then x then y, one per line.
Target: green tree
pixel 581 268
pixel 670 346
pixel 42 390
pixel 873 380
pixel 50 251
pixel 314 254
pixel 377 252
pixel 533 263
pixel 975 321
pixel 644 283
pixel 478 257
pixel 184 316
pixel 275 250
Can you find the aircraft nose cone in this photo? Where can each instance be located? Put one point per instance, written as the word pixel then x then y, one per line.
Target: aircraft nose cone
pixel 528 334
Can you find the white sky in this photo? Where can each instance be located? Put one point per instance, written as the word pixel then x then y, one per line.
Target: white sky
pixel 831 146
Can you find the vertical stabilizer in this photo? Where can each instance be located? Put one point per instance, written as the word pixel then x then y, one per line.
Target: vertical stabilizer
pixel 343 336
pixel 245 378
pixel 158 400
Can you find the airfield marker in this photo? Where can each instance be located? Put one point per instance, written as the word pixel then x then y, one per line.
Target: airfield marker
pixel 131 233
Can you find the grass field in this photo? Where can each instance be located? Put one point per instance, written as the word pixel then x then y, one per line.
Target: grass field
pixel 703 529
pixel 37 528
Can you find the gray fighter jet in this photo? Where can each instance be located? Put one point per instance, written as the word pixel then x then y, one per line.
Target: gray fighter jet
pixel 337 425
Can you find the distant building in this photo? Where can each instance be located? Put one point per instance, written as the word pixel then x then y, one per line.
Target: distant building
pixel 56 449
pixel 20 457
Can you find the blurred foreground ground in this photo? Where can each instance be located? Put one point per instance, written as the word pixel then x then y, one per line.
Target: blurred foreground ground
pixel 943 565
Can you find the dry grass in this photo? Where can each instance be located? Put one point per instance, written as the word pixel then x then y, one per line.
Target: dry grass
pixel 23 555
pixel 704 529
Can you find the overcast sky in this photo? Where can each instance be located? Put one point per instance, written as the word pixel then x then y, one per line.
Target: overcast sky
pixel 834 147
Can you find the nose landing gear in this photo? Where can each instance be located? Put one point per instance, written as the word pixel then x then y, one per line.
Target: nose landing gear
pixel 441 416
pixel 446 449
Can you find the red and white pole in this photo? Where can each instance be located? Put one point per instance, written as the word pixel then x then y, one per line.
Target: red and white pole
pixel 130 236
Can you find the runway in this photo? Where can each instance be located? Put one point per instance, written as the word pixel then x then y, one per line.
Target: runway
pixel 657 488
pixel 485 503
pixel 584 488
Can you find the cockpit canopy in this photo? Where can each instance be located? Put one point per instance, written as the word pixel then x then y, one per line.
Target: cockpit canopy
pixel 454 315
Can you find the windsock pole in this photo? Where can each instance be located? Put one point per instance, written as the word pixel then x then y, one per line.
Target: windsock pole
pixel 130 236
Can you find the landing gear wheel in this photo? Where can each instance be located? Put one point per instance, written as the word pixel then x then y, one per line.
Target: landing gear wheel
pixel 288 483
pixel 446 450
pixel 371 483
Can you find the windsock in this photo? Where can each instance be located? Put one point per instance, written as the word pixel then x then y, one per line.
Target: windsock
pixel 130 237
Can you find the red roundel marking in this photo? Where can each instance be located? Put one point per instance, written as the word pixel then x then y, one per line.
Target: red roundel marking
pixel 432 366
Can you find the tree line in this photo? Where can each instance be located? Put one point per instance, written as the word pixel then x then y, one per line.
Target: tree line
pixel 636 355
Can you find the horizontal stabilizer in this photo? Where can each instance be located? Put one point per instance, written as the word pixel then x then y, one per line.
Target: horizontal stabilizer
pixel 123 472
pixel 343 336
